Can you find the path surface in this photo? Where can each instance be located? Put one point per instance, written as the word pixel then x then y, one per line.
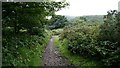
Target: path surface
pixel 52 56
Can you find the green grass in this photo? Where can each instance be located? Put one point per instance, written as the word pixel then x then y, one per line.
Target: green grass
pixel 74 59
pixel 34 56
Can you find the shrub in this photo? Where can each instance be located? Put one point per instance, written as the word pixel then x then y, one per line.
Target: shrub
pixel 97 41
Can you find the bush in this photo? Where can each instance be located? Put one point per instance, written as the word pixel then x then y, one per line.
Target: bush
pixel 97 41
pixel 23 50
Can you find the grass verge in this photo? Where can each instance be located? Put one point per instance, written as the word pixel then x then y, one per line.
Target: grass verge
pixel 78 61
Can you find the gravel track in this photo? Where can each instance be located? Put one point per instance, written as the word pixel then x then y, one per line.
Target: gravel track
pixel 52 56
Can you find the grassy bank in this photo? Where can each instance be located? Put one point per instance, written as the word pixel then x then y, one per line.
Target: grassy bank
pixel 74 59
pixel 24 50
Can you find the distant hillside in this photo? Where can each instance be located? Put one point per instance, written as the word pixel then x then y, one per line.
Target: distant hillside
pixel 92 18
pixel 70 17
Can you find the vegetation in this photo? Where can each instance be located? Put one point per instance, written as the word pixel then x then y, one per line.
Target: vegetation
pixel 24 50
pixel 94 18
pixel 57 31
pixel 58 21
pixel 24 33
pixel 78 61
pixel 84 41
pixel 96 41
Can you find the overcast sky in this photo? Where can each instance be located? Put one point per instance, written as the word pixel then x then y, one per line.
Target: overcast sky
pixel 89 7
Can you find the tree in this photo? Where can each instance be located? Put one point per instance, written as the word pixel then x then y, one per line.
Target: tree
pixel 108 29
pixel 58 21
pixel 28 15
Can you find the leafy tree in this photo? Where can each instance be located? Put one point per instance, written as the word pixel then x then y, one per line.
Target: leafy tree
pixel 58 21
pixel 108 29
pixel 27 15
pixel 109 37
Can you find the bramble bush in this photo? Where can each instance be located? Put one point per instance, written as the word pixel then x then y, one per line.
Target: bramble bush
pixel 96 41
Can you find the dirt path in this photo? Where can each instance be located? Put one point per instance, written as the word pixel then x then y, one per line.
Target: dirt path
pixel 52 56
